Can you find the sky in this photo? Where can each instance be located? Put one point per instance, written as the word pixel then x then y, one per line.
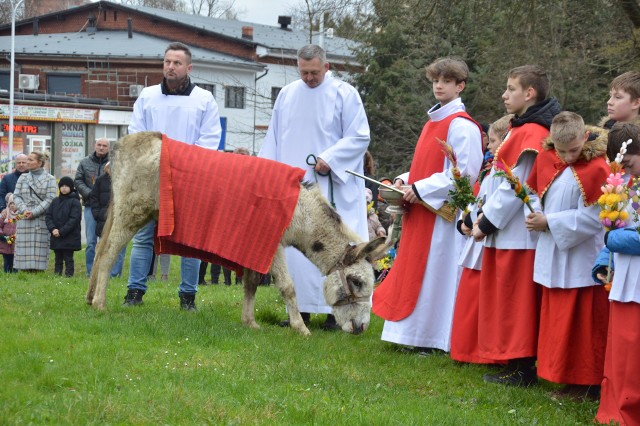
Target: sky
pixel 262 11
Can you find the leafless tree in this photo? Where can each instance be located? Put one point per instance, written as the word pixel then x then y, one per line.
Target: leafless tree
pixel 308 13
pixel 213 8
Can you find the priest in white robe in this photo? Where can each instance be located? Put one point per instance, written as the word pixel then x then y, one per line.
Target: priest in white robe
pixel 319 124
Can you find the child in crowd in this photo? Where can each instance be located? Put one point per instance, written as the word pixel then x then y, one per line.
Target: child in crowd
pixel 624 101
pixel 509 299
pixel 566 178
pixel 417 296
pixel 620 396
pixel 8 225
pixel 464 330
pixel 63 222
pixel 99 200
pixel 375 228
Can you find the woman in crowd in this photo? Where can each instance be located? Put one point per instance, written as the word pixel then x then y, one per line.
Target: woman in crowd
pixel 33 195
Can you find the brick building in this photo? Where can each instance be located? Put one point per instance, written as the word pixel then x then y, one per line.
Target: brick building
pixel 78 72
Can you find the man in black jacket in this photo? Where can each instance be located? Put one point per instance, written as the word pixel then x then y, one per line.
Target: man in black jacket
pixel 8 184
pixel 89 169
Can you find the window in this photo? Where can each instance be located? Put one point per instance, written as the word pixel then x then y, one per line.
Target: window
pixel 234 97
pixel 4 80
pixel 108 132
pixel 63 84
pixel 275 91
pixel 208 87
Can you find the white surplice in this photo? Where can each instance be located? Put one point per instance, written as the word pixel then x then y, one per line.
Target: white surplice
pixel 566 252
pixel 429 325
pixel 329 122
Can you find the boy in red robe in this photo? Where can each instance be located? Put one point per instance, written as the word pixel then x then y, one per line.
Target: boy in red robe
pixel 566 177
pixel 509 299
pixel 417 297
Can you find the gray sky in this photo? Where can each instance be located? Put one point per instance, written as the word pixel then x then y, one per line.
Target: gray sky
pixel 262 11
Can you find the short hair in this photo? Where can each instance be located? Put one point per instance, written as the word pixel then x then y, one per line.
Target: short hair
pixel 179 46
pixel 620 133
pixel 449 67
pixel 41 156
pixel 532 76
pixel 566 127
pixel 628 82
pixel 312 51
pixel 501 125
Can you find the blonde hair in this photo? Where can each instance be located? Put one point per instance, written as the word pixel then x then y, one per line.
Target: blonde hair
pixel 500 126
pixel 41 156
pixel 566 127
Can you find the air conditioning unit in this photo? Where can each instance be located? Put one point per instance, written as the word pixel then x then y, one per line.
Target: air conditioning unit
pixel 135 89
pixel 28 82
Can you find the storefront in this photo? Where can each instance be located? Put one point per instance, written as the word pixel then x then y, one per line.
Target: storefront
pixel 67 133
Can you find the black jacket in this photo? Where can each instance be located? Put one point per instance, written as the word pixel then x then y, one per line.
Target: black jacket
pixel 65 214
pixel 99 199
pixel 89 170
pixel 7 185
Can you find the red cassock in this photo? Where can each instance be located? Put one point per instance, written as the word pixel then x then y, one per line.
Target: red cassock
pixel 620 395
pixel 396 297
pixel 509 301
pixel 573 321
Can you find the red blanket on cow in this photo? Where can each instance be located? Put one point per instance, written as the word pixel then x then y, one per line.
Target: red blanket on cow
pixel 223 208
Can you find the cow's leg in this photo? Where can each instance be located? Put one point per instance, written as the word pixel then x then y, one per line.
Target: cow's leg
pixel 284 284
pixel 250 279
pixel 117 232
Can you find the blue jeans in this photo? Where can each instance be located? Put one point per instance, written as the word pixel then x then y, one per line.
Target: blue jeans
pixel 92 238
pixel 92 241
pixel 116 271
pixel 140 263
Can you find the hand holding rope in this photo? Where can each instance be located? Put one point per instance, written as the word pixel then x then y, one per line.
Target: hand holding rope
pixel 313 161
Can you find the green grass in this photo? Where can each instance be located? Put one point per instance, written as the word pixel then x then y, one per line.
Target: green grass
pixel 61 362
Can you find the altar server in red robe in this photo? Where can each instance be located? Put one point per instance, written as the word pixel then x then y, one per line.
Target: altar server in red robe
pixel 416 299
pixel 620 397
pixel 509 299
pixel 566 178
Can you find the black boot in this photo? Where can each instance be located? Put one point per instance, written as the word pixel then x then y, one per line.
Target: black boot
pixel 306 318
pixel 133 298
pixel 188 301
pixel 519 372
pixel 330 324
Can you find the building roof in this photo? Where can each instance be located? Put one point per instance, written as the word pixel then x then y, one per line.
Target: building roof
pixel 115 45
pixel 272 37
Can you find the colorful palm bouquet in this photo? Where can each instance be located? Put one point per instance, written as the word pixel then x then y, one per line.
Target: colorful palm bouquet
pixel 10 239
pixel 461 196
pixel 613 202
pixel 505 172
pixel 383 265
pixel 634 199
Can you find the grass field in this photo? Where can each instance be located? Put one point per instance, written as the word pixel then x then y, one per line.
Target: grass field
pixel 62 362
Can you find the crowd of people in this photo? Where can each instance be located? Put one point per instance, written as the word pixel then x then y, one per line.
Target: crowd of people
pixel 516 280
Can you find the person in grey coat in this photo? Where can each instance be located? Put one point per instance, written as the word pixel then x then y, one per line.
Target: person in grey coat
pixel 33 195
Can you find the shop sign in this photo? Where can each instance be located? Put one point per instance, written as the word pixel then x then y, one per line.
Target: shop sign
pixel 43 113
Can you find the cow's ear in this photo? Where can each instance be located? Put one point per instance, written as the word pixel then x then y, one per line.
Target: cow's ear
pixel 362 250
